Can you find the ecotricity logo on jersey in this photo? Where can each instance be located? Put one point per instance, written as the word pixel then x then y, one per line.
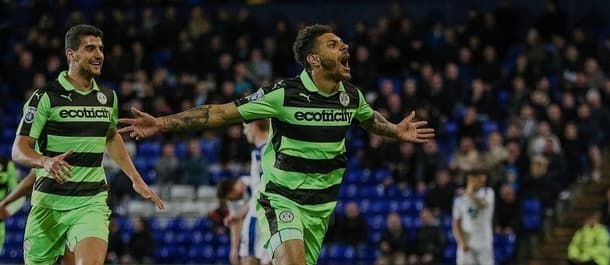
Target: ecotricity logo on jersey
pixel 324 115
pixel 85 113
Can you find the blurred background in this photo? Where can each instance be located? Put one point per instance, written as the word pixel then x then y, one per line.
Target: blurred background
pixel 520 88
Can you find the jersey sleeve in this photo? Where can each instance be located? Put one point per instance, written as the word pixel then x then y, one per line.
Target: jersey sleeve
pixel 35 114
pixel 115 111
pixel 264 103
pixel 11 176
pixel 364 111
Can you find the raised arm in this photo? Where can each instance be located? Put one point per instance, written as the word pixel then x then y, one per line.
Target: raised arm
pixel 144 125
pixel 404 131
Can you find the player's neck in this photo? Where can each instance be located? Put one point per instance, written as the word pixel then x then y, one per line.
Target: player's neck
pixel 262 139
pixel 323 83
pixel 79 81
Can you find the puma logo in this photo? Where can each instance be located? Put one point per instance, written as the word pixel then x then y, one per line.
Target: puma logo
pixel 305 96
pixel 68 97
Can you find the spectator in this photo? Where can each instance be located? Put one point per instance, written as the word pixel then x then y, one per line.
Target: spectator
pixel 195 167
pixel 167 169
pixel 470 126
pixel 495 158
pixel 429 241
pixel 352 228
pixel 116 246
pixel 393 243
pixel 507 217
pixel 467 157
pixel 440 197
pixel 142 243
pixel 589 245
pixel 428 162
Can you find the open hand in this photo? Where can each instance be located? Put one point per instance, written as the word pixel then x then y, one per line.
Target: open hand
pixel 143 125
pixel 144 190
pixel 414 131
pixel 59 169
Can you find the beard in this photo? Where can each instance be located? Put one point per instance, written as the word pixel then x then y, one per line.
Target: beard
pixel 331 69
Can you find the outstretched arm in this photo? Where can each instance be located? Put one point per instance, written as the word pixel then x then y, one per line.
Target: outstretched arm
pixel 118 153
pixel 206 116
pixel 23 188
pixel 404 131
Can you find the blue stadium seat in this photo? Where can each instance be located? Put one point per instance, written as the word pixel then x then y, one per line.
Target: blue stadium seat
pixel 183 238
pixel 209 237
pixel 532 205
pixel 165 254
pixel 202 224
pixel 155 225
pixel 224 238
pixel 449 254
pixel 341 253
pixel 149 149
pixel 196 238
pixel 531 222
pixel 181 150
pixel 177 224
pixel 222 253
pixel 169 238
pixel 349 191
pixel 393 206
pixel 381 174
pixel 376 222
pixel 378 207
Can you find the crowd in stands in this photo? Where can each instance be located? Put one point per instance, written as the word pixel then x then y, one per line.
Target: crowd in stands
pixel 528 102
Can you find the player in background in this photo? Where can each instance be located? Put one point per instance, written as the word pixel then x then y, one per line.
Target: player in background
pixel 304 163
pixel 66 127
pixel 472 221
pixel 246 239
pixel 23 189
pixel 8 181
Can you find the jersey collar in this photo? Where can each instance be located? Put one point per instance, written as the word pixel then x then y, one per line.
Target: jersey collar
pixel 309 85
pixel 63 80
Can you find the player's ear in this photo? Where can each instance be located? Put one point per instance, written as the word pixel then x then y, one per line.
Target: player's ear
pixel 313 59
pixel 69 55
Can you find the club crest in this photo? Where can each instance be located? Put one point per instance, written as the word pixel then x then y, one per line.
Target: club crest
pixel 344 99
pixel 286 216
pixel 101 98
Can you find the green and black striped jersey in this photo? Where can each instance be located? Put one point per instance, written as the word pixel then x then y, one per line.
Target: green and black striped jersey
pixel 8 177
pixel 62 118
pixel 305 159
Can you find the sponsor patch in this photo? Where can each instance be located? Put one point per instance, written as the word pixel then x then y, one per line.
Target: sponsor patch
pixel 30 113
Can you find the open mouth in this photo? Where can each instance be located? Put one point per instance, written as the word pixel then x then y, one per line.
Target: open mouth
pixel 345 62
pixel 96 64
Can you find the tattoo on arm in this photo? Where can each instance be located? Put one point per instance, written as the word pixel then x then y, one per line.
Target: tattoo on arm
pixel 379 125
pixel 205 116
pixel 195 118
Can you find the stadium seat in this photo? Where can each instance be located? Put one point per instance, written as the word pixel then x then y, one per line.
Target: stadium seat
pixel 177 224
pixel 139 208
pixel 206 193
pixel 182 192
pixel 376 222
pixel 532 205
pixel 341 253
pixel 222 253
pixel 202 224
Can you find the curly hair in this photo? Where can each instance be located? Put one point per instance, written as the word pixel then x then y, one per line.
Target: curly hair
pixel 305 42
pixel 72 40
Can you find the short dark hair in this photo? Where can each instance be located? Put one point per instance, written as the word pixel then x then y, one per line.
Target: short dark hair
pixel 225 187
pixel 306 40
pixel 72 40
